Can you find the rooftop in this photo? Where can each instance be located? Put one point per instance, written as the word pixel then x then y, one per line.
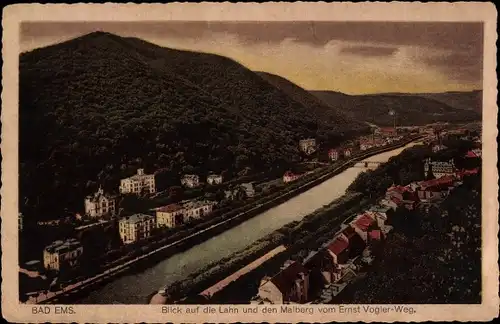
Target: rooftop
pixel 338 245
pixel 285 279
pixel 136 218
pixel 60 246
pixel 363 222
pixel 197 203
pixel 169 208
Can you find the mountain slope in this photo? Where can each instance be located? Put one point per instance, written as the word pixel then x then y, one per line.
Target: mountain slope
pixel 461 100
pixel 410 109
pixel 95 108
pixel 318 107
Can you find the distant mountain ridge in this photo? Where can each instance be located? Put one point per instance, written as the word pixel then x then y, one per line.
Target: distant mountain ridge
pixel 95 108
pixel 411 109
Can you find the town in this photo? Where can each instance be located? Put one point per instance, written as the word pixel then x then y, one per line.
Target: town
pixel 321 275
pixel 358 237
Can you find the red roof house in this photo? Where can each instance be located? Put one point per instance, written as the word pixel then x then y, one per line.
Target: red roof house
pixel 471 154
pixel 375 235
pixel 289 177
pixel 363 222
pixel 339 248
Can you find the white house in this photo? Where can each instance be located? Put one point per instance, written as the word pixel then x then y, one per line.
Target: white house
pixel 439 168
pixel 438 147
pixel 190 180
pixel 62 254
pixel 214 179
pixel 136 227
pixel 139 183
pixel 248 189
pixel 99 204
pixel 197 209
pixel 308 146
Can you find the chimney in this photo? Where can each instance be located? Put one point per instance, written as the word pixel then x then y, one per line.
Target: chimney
pixel 140 171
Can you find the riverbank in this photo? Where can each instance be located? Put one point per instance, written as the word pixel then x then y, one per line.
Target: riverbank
pixel 148 259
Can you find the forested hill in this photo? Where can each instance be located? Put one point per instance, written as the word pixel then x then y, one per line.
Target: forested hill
pixel 95 108
pixel 317 106
pixel 411 109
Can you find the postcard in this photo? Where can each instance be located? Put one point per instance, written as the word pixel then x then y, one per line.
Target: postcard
pixel 244 162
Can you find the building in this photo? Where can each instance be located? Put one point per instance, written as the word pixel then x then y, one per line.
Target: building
pixel 388 203
pixel 290 285
pixel 214 179
pixel 138 184
pixel 477 151
pixel 473 154
pixel 388 131
pixel 99 204
pixel 62 254
pixel 439 168
pixel 333 154
pixel 290 176
pixel 308 146
pixel 347 152
pixel 363 223
pixel 136 227
pixel 190 180
pixel 438 147
pixel 248 189
pixel 170 216
pixel 434 189
pixel 197 209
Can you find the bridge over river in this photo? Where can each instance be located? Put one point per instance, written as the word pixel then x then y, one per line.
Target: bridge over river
pixel 135 288
pixel 368 164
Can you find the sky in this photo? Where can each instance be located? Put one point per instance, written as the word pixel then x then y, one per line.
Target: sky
pixel 350 57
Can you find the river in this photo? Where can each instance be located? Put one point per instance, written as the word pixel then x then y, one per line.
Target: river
pixel 136 287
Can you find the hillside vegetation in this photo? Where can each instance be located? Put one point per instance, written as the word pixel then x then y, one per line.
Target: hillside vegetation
pixel 411 109
pixel 95 108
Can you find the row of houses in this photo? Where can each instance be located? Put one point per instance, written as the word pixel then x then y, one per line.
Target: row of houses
pixel 100 204
pixel 66 254
pixel 174 215
pixel 327 271
pixel 301 282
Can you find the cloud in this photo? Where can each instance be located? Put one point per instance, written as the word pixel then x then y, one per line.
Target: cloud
pixel 369 50
pixel 341 56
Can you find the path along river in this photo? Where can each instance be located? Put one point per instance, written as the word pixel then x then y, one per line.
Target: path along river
pixel 134 288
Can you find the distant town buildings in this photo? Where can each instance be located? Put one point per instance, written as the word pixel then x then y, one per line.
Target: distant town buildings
pixel 99 204
pixel 136 227
pixel 62 254
pixel 439 168
pixel 138 184
pixel 308 146
pixel 190 180
pixel 214 179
